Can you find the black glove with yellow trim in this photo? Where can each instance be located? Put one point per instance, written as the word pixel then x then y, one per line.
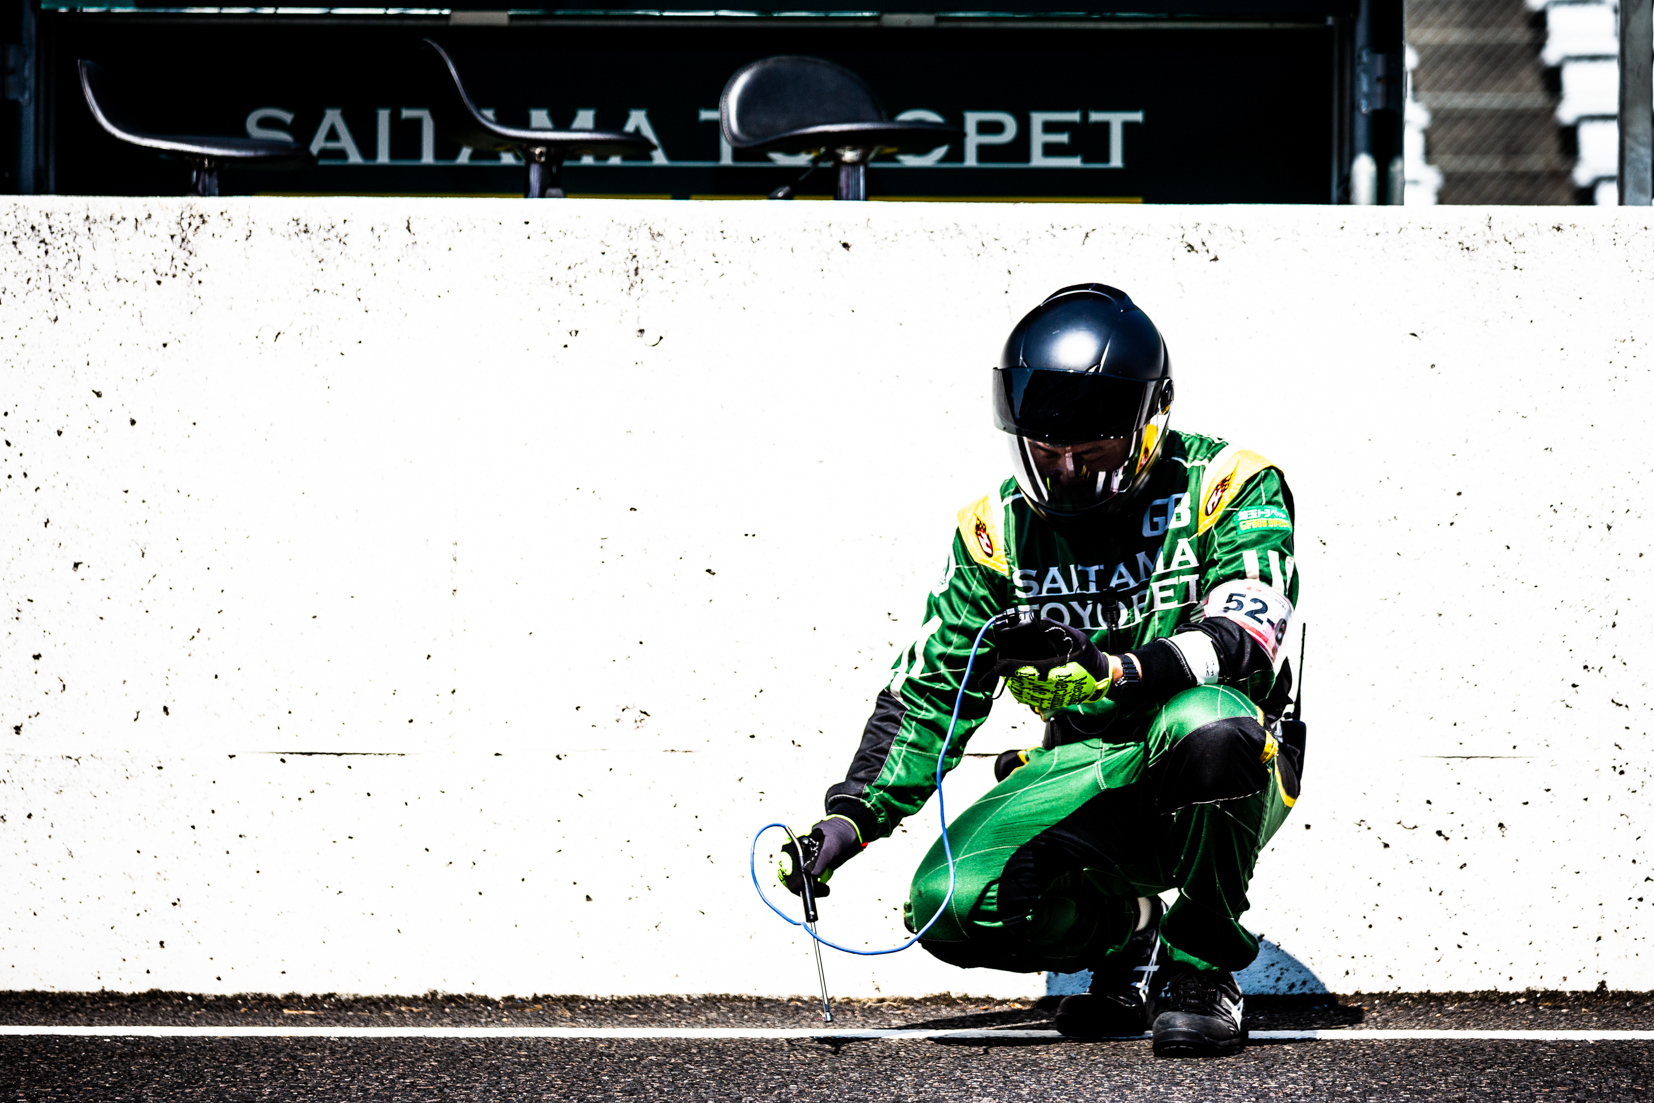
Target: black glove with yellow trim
pixel 1047 665
pixel 1009 762
pixel 830 843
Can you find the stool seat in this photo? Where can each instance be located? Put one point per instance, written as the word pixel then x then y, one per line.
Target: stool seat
pixel 793 104
pixel 205 153
pixel 884 137
pixel 260 151
pixel 459 120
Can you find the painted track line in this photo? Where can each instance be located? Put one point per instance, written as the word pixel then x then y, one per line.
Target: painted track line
pixel 575 1033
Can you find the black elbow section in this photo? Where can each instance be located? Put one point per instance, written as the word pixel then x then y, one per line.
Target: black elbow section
pixel 844 799
pixel 1239 655
pixel 1162 674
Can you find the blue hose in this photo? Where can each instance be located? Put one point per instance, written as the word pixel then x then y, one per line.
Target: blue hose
pixel 941 812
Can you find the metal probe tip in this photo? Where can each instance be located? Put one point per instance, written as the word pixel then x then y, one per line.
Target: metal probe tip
pixel 821 975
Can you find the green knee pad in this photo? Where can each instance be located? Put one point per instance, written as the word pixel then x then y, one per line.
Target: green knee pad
pixel 1195 708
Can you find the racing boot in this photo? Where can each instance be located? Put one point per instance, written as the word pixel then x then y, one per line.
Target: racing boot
pixel 1198 1014
pixel 1116 1004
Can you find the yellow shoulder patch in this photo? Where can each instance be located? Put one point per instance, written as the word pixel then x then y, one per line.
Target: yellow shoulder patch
pixel 1226 473
pixel 982 529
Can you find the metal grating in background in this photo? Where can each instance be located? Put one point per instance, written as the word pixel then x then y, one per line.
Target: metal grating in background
pixel 1492 102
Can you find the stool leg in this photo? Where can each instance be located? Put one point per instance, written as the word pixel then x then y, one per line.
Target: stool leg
pixel 852 181
pixel 545 175
pixel 204 179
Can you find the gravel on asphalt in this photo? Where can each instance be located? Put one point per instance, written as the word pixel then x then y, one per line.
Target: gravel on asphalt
pixel 163 1070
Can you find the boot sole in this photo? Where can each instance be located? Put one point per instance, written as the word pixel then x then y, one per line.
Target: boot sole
pixel 1188 1042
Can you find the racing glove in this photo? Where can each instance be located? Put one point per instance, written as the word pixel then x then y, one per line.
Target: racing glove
pixel 1050 666
pixel 830 843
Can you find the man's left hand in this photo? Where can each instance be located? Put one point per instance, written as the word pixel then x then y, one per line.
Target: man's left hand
pixel 829 844
pixel 1050 666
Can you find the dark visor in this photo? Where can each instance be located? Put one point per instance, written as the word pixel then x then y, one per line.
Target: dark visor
pixel 1067 406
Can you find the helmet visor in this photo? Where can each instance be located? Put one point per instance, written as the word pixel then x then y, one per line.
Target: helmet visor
pixel 1073 478
pixel 1069 406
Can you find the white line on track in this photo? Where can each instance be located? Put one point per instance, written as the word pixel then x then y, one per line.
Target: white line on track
pixel 558 1033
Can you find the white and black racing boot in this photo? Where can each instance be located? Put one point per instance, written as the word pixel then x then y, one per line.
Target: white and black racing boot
pixel 1117 1003
pixel 1198 1014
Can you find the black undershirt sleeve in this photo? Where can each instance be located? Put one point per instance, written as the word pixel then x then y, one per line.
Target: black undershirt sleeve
pixel 1239 655
pixel 1163 672
pixel 843 799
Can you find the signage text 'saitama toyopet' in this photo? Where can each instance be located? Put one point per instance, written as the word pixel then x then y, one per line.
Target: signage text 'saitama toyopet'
pixel 407 136
pixel 1236 114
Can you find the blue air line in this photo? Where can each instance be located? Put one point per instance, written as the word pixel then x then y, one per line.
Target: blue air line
pixel 941 813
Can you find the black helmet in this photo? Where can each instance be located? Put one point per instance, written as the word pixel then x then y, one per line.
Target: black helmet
pixel 1084 387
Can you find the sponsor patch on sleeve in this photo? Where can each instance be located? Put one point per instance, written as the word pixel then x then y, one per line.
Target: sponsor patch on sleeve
pixel 1262 517
pixel 1226 473
pixel 979 526
pixel 1262 611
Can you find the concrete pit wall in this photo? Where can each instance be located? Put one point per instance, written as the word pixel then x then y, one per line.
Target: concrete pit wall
pixel 409 594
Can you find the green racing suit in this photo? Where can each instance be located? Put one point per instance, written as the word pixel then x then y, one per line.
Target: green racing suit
pixel 1175 782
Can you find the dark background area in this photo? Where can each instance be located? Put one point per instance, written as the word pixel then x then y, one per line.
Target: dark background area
pixel 1242 100
pixel 1271 141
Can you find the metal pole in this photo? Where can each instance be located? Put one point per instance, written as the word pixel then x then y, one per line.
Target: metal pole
pixel 21 87
pixel 1363 165
pixel 1376 170
pixel 204 179
pixel 545 173
pixel 1636 167
pixel 1391 37
pixel 852 180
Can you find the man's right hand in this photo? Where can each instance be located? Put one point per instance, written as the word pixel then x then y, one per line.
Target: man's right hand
pixel 829 844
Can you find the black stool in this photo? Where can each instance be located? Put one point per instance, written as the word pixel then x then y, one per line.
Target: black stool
pixel 205 155
pixel 807 105
pixel 458 120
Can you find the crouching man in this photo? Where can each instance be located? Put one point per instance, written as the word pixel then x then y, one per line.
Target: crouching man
pixel 1138 581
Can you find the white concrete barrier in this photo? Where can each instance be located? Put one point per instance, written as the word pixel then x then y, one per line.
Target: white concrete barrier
pixel 410 595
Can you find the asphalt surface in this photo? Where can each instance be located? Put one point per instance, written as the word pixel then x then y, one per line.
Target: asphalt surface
pixel 889 1071
pixel 1463 1011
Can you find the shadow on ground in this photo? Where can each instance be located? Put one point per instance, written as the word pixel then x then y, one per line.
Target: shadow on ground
pixel 1275 973
pixel 1317 1012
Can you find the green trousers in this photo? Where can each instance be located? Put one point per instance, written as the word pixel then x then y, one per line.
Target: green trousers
pixel 1050 863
